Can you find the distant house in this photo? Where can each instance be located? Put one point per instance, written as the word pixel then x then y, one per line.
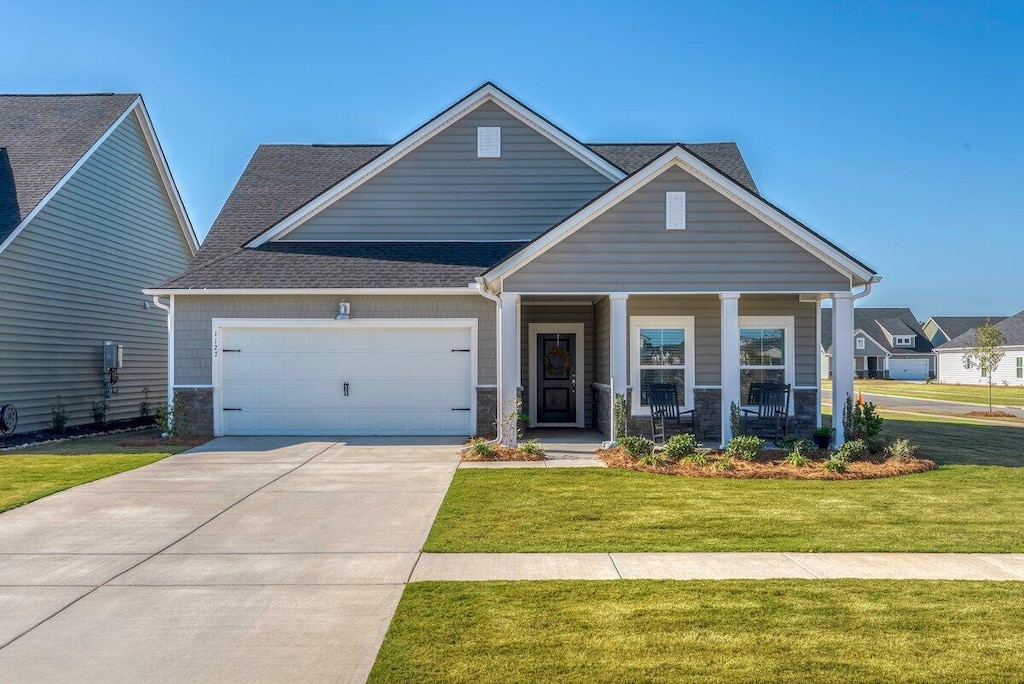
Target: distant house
pixel 941 329
pixel 888 343
pixel 89 215
pixel 1010 371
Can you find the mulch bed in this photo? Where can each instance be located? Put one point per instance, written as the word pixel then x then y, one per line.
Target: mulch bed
pixel 766 469
pixel 989 414
pixel 183 441
pixel 500 453
pixel 76 431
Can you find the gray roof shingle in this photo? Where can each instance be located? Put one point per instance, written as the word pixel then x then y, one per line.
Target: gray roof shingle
pixel 898 321
pixel 955 326
pixel 1012 328
pixel 41 138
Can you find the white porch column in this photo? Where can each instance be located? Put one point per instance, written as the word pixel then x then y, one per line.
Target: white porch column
pixel 730 359
pixel 618 346
pixel 842 359
pixel 508 362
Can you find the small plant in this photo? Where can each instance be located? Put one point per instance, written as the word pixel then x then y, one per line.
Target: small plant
pixel 876 444
pixel 508 425
pixel 697 458
pixel 823 437
pixel 531 448
pixel 99 412
pixel 482 448
pixel 796 457
pixel 637 446
pixel 746 447
pixel 901 451
pixel 735 422
pixel 174 420
pixel 725 463
pixel 854 450
pixel 837 463
pixel 58 415
pixel 621 411
pixel 655 458
pixel 144 408
pixel 680 446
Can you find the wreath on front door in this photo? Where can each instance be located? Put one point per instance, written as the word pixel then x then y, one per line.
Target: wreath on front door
pixel 557 361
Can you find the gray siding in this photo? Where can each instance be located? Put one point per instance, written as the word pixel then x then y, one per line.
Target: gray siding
pixel 602 340
pixel 628 249
pixel 561 314
pixel 193 322
pixel 442 191
pixel 73 279
pixel 871 348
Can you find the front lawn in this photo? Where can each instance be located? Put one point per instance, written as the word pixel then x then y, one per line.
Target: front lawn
pixel 959 507
pixel 34 472
pixel 733 631
pixel 971 394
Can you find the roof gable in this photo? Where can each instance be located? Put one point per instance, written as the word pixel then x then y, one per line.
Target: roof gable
pixel 486 93
pixel 875 321
pixel 955 326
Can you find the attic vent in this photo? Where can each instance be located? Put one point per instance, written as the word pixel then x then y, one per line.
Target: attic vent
pixel 488 141
pixel 675 210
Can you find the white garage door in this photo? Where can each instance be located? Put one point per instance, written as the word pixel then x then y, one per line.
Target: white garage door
pixel 908 369
pixel 345 380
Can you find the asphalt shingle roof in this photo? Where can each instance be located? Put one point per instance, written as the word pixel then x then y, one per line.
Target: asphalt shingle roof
pixel 1011 327
pixel 955 326
pixel 41 138
pixel 898 321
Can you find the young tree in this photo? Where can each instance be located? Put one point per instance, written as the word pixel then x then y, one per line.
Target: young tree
pixel 985 354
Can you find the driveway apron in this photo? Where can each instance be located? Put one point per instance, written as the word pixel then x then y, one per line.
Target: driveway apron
pixel 250 558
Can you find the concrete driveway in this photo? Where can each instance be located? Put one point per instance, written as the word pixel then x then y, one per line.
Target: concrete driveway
pixel 250 558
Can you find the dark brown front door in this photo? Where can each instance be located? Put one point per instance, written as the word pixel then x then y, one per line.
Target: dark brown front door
pixel 556 378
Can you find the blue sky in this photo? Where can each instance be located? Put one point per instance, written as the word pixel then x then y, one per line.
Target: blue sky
pixel 895 129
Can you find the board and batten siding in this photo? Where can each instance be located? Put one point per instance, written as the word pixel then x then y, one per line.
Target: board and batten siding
pixel 573 313
pixel 950 369
pixel 723 249
pixel 193 322
pixel 441 191
pixel 73 278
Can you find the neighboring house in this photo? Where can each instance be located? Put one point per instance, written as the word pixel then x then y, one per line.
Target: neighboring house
pixel 888 343
pixel 1010 370
pixel 88 216
pixel 941 329
pixel 489 255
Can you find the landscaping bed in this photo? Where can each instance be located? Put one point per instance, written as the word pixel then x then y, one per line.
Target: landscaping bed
pixel 768 468
pixel 481 450
pixel 76 431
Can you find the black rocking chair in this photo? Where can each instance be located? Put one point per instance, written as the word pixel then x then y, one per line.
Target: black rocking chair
pixel 664 402
pixel 770 402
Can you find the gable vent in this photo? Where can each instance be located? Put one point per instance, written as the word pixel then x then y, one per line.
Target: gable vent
pixel 488 141
pixel 675 210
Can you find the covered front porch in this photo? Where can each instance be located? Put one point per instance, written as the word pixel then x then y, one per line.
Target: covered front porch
pixel 566 357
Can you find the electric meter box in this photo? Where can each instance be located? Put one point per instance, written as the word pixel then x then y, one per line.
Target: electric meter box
pixel 113 355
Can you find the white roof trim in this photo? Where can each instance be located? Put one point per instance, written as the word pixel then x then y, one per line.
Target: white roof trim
pixel 677 156
pixel 165 175
pixel 433 291
pixel 486 93
pixel 161 164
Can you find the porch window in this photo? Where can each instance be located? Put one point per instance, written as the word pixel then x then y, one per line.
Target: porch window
pixel 662 353
pixel 766 351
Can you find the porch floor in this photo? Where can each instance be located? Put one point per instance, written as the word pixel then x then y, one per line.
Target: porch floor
pixel 567 443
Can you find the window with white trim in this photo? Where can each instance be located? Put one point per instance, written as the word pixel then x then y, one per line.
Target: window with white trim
pixel 903 341
pixel 488 141
pixel 1020 367
pixel 766 352
pixel 675 210
pixel 860 343
pixel 661 352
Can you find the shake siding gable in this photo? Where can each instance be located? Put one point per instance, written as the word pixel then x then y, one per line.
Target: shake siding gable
pixel 73 279
pixel 442 191
pixel 629 249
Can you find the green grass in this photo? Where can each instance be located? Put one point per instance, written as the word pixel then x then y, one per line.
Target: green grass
pixel 734 631
pixel 972 394
pixel 34 472
pixel 968 504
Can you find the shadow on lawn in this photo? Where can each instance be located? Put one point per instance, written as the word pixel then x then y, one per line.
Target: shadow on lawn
pixel 949 443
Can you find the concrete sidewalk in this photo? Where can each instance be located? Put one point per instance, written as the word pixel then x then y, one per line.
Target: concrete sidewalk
pixel 687 566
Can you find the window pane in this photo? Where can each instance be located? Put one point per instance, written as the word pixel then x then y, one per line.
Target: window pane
pixel 670 376
pixel 762 347
pixel 748 377
pixel 662 346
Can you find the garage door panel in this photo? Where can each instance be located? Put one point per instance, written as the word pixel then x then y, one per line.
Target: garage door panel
pixel 908 369
pixel 401 381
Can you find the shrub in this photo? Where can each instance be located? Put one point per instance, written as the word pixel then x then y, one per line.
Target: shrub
pixel 860 421
pixel 177 424
pixel 901 451
pixel 144 408
pixel 796 457
pixel 726 463
pixel 99 412
pixel 836 463
pixel 637 446
pixel 876 444
pixel 482 448
pixel 531 447
pixel 698 458
pixel 855 450
pixel 746 447
pixel 680 446
pixel 58 415
pixel 655 458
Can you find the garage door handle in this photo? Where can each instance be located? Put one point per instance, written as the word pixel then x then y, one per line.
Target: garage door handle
pixel 231 409
pixel 345 388
pixel 461 350
pixel 460 409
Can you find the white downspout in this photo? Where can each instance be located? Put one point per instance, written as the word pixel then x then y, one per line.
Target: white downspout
pixel 169 308
pixel 482 286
